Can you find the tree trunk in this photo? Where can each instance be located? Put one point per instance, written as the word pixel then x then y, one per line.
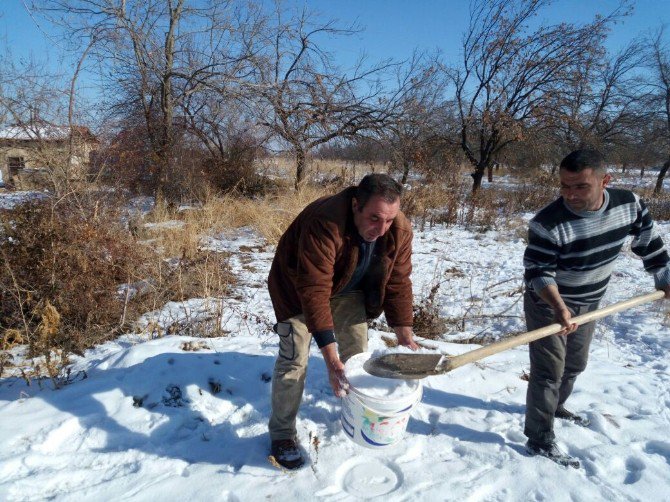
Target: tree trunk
pixel 300 165
pixel 162 175
pixel 167 105
pixel 661 177
pixel 405 172
pixel 489 172
pixel 477 178
pixel 624 166
pixel 642 172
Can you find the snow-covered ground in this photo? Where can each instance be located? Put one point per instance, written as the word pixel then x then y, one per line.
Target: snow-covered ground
pixel 11 199
pixel 151 417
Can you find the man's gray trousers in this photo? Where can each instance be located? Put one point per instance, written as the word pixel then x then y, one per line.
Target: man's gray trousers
pixel 555 362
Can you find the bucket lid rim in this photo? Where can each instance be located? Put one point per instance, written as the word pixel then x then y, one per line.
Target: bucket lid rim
pixel 415 384
pixel 407 395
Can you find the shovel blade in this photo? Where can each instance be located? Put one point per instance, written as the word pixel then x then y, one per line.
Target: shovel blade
pixel 404 366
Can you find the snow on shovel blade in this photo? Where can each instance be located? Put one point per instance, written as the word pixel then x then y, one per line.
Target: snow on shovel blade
pixel 405 366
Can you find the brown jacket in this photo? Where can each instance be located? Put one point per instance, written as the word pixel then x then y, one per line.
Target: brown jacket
pixel 318 254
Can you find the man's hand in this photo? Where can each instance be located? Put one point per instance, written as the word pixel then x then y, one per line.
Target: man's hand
pixel 338 381
pixel 563 315
pixel 405 337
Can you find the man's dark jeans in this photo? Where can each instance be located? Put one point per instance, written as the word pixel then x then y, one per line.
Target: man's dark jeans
pixel 555 362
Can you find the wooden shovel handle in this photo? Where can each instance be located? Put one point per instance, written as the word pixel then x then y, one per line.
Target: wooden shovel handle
pixel 453 362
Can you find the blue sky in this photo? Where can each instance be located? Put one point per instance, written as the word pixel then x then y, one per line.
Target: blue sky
pixel 393 28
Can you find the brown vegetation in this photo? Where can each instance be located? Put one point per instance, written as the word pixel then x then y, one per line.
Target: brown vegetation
pixel 195 121
pixel 61 269
pixel 72 276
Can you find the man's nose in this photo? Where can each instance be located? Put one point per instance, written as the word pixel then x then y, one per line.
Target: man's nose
pixel 379 229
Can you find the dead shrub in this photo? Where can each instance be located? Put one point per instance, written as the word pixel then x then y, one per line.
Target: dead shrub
pixel 531 195
pixel 236 170
pixel 433 204
pixel 428 323
pixel 481 210
pixel 658 204
pixel 61 267
pixel 495 206
pixel 208 274
pixel 176 233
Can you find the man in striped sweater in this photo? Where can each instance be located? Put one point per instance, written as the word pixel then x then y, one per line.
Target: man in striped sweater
pixel 572 246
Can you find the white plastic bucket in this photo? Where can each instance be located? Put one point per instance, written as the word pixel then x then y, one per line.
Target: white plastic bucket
pixel 373 420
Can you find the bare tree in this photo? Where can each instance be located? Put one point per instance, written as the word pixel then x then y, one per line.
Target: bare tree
pixel 155 53
pixel 509 72
pixel 228 135
pixel 658 98
pixel 419 126
pixel 600 107
pixel 304 98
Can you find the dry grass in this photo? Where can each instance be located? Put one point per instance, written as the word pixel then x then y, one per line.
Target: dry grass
pixel 433 203
pixel 61 267
pixel 272 216
pixel 348 172
pixel 61 298
pixel 269 216
pixel 657 203
pixel 318 170
pixel 427 320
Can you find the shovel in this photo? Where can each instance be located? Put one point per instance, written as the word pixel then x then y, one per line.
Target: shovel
pixel 415 366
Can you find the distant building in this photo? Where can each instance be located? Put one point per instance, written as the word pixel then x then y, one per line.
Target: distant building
pixel 36 149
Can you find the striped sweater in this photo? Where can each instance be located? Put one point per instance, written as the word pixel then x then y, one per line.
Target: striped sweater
pixel 576 251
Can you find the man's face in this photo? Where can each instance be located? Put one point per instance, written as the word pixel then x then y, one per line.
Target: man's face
pixel 583 191
pixel 375 218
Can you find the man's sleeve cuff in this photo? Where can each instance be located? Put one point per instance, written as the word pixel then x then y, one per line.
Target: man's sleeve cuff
pixel 539 283
pixel 323 338
pixel 662 278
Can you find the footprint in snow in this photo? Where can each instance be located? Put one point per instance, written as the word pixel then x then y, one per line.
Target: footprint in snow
pixel 634 466
pixel 661 448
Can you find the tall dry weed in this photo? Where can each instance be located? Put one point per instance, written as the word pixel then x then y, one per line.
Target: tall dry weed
pixel 61 268
pixel 269 216
pixel 430 204
pixel 482 210
pixel 336 171
pixel 272 217
pixel 657 203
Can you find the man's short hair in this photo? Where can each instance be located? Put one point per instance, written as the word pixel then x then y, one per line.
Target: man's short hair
pixel 377 184
pixel 579 160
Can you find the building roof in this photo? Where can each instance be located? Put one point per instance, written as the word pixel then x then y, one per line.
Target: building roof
pixel 44 132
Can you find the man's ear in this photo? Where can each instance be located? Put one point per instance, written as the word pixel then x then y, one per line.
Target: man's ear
pixel 606 179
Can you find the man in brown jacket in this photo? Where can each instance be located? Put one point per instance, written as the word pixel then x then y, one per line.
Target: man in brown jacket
pixel 343 260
